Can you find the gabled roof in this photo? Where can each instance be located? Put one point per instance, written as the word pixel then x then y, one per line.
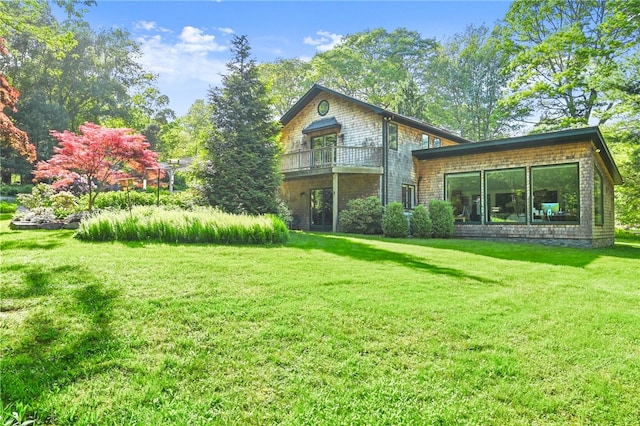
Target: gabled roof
pixel 317 89
pixel 530 141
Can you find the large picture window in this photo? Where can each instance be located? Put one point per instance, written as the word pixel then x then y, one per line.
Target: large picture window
pixel 506 196
pixel 556 193
pixel 598 198
pixel 463 192
pixel 392 130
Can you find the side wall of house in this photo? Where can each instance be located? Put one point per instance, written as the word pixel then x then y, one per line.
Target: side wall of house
pixel 431 173
pixel 401 169
pixel 604 234
pixel 359 127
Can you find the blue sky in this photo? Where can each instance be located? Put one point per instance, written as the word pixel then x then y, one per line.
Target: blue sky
pixel 187 42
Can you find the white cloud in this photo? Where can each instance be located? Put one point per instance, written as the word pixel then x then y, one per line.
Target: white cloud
pixel 225 30
pixel 186 66
pixel 195 40
pixel 149 26
pixel 144 25
pixel 326 41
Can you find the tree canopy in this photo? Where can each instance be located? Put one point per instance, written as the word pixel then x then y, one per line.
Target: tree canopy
pixel 69 74
pixel 564 53
pixel 10 136
pixel 468 78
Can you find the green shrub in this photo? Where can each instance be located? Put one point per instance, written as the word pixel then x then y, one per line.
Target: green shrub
pixel 441 213
pixel 394 222
pixel 201 225
pixel 119 200
pixel 624 234
pixel 62 203
pixel 40 196
pixel 362 216
pixel 421 222
pixel 13 190
pixel 6 207
pixel 284 213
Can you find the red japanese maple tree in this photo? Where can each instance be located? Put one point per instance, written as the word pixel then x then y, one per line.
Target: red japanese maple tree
pixel 97 156
pixel 10 135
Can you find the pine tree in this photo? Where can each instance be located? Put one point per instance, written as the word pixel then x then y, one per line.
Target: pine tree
pixel 241 174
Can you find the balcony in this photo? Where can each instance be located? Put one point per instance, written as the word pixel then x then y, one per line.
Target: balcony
pixel 333 159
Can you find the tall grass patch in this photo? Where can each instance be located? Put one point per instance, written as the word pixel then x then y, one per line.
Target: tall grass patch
pixel 201 225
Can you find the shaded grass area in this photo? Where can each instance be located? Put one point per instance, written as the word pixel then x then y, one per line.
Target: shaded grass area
pixel 327 329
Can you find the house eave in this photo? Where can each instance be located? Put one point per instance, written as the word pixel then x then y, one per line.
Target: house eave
pixel 530 141
pixel 316 89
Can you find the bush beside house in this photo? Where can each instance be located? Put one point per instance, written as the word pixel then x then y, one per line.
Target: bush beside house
pixel 441 214
pixel 362 216
pixel 421 222
pixel 394 223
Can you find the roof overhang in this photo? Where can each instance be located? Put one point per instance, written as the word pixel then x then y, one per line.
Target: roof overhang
pixel 323 124
pixel 530 141
pixel 317 89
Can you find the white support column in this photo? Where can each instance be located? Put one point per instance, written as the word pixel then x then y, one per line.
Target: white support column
pixel 335 202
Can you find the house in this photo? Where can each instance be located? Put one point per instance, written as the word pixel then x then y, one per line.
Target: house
pixel 554 188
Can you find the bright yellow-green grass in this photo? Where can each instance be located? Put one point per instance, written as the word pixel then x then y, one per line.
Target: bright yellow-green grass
pixel 325 329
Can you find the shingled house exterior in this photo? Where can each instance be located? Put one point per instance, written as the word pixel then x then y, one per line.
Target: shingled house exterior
pixel 553 188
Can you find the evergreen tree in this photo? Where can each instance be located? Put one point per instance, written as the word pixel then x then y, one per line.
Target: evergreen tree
pixel 241 174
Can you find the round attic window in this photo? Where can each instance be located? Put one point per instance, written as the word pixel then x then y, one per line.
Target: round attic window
pixel 323 107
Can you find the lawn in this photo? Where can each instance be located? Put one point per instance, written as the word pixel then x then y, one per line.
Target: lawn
pixel 325 329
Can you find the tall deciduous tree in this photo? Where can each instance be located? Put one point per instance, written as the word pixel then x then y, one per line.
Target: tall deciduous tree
pixel 34 17
pixel 241 174
pixel 91 81
pixel 148 112
pixel 97 156
pixel 287 80
pixel 373 64
pixel 188 135
pixel 410 101
pixel 11 137
pixel 466 82
pixel 564 51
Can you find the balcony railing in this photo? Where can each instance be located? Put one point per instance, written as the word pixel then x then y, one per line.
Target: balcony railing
pixel 334 156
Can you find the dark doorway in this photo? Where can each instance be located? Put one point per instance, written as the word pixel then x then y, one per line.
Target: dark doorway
pixel 322 209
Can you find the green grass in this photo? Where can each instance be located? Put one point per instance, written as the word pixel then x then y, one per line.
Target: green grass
pixel 6 207
pixel 327 329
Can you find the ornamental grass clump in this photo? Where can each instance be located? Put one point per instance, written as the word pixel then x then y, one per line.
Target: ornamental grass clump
pixel 202 225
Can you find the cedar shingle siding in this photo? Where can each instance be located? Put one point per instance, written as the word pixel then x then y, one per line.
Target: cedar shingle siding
pixel 363 165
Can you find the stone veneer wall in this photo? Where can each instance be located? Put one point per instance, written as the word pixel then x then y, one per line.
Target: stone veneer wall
pixel 586 233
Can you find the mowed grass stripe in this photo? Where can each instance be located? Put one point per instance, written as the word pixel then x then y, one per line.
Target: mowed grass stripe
pixel 327 329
